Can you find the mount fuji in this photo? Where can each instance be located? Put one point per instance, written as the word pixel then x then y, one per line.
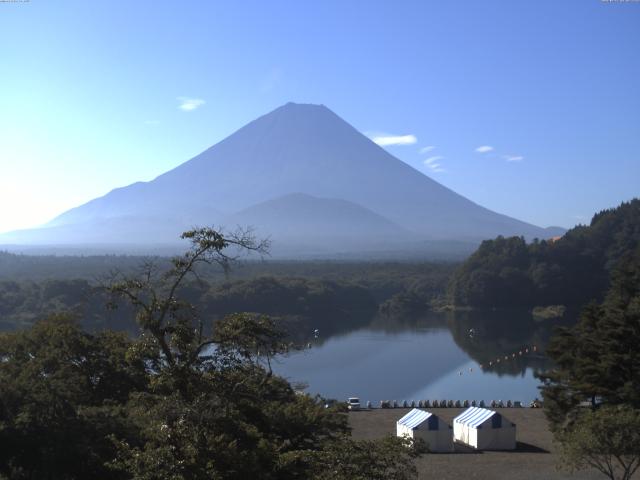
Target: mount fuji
pixel 299 174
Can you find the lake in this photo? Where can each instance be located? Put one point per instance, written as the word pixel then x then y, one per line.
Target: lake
pixel 439 356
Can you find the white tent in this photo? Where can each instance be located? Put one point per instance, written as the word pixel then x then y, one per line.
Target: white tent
pixel 427 426
pixel 484 430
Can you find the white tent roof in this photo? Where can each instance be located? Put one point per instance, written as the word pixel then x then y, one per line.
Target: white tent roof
pixel 414 418
pixel 474 416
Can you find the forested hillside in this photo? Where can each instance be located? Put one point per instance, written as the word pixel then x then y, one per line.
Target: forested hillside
pixel 295 300
pixel 326 295
pixel 573 270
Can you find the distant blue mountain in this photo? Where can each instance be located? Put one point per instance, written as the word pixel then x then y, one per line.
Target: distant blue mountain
pixel 300 174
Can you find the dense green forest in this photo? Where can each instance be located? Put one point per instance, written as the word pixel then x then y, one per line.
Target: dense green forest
pixel 329 295
pixel 573 270
pixel 592 389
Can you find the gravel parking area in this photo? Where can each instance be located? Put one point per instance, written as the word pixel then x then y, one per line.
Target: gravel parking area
pixel 536 457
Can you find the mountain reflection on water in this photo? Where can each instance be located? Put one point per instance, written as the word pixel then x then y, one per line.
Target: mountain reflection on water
pixel 438 356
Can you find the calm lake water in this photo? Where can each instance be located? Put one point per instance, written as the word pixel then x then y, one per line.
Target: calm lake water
pixel 436 357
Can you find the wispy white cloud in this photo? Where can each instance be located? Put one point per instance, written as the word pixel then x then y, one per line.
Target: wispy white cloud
pixel 189 104
pixel 427 149
pixel 513 158
pixel 432 160
pixel 433 165
pixel 384 140
pixel 484 149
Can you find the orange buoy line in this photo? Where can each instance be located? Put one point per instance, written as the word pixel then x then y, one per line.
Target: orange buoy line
pixel 506 357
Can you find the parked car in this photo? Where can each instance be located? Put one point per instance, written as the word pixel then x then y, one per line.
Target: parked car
pixel 353 403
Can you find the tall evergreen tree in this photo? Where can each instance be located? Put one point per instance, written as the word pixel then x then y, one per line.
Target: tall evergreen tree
pixel 598 360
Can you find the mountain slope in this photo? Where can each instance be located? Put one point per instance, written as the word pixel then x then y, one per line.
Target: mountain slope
pixel 295 148
pixel 321 224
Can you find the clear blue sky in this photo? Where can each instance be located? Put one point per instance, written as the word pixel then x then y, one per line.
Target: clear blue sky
pixel 90 93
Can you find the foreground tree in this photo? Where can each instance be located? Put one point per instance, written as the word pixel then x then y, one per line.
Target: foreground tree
pixel 227 416
pixel 389 458
pixel 62 393
pixel 597 365
pixel 172 324
pixel 607 439
pixel 598 360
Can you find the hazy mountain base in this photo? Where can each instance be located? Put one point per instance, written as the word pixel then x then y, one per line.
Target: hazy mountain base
pixel 331 249
pixel 93 267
